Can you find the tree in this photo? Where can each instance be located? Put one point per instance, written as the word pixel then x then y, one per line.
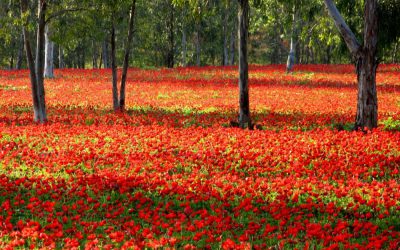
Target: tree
pixel 49 52
pixel 36 67
pixel 119 102
pixel 365 57
pixel 244 106
pixel 170 26
pixel 293 36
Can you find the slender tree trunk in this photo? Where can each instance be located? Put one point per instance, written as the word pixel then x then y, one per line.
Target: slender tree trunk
pixel 49 50
pixel 307 50
pixel 100 61
pixel 114 70
pixel 20 56
pixel 184 49
pixel 328 54
pixel 198 49
pixel 233 45
pixel 126 57
pixel 394 53
pixel 292 53
pixel 60 57
pixel 105 54
pixel 366 61
pixel 11 62
pixel 225 57
pixel 31 66
pixel 244 107
pixel 170 24
pixel 94 55
pixel 82 57
pixel 42 5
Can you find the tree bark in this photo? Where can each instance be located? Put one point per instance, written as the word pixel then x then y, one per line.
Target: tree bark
pixel 244 108
pixel 82 57
pixel 20 53
pixel 36 68
pixel 351 41
pixel 31 66
pixel 49 52
pixel 39 67
pixel 225 57
pixel 105 54
pixel 233 45
pixel 170 25
pixel 184 48
pixel 394 53
pixel 126 57
pixel 198 49
pixel 367 107
pixel 366 61
pixel 11 62
pixel 60 57
pixel 114 69
pixel 292 53
pixel 328 54
pixel 94 55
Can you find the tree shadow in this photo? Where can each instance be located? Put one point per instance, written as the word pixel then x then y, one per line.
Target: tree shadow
pixel 179 118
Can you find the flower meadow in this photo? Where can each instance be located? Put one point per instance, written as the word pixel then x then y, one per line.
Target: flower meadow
pixel 172 173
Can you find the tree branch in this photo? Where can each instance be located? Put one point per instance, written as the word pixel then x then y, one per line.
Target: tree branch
pixel 62 12
pixel 351 41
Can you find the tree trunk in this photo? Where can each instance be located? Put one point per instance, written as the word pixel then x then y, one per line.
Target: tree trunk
pixel 49 50
pixel 198 50
pixel 244 108
pixel 94 55
pixel 11 62
pixel 328 54
pixel 31 66
pixel 225 57
pixel 82 57
pixel 184 49
pixel 40 59
pixel 170 25
pixel 100 61
pixel 105 54
pixel 394 53
pixel 60 57
pixel 20 56
pixel 232 45
pixel 366 61
pixel 126 58
pixel 292 53
pixel 114 70
pixel 367 107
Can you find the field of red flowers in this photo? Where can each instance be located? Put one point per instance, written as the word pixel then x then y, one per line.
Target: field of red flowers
pixel 172 173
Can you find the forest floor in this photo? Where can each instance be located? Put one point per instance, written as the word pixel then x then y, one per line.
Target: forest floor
pixel 171 172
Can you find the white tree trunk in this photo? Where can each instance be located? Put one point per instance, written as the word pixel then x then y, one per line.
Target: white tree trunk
pixel 48 54
pixel 292 52
pixel 291 56
pixel 348 36
pixel 60 57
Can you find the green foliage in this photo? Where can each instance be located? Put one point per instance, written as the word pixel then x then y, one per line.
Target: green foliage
pixel 391 124
pixel 81 28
